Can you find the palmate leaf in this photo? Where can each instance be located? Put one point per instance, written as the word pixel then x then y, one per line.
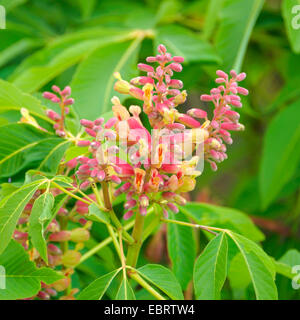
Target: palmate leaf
pixel 11 208
pixel 23 144
pixel 285 264
pixel 182 42
pixel 21 277
pixel 40 213
pixel 97 288
pixel 181 250
pixel 93 82
pixel 238 18
pixel 96 214
pixel 260 267
pixel 163 278
pixel 222 217
pixel 281 153
pixel 211 269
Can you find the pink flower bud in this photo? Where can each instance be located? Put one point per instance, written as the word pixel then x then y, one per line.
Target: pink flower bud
pixel 174 83
pixel 87 123
pixel 54 250
pixel 233 74
pixel 60 133
pixel 197 113
pixel 213 166
pixel 43 295
pixel 175 66
pixel 55 100
pixel 215 124
pixel 143 210
pixel 110 123
pixel 206 97
pixel 83 143
pixel 236 103
pixel 55 88
pixel 99 121
pixel 221 74
pixel 189 121
pixel 173 207
pixel 130 204
pixel 52 115
pixel 66 92
pixel 115 179
pixel 60 236
pixel 91 132
pixel 242 91
pixel 241 76
pixel 128 215
pixel 178 59
pixel 49 95
pixel 136 93
pixel 84 185
pixel 145 67
pixel 71 163
pixel 69 102
pixel 161 49
pixel 151 59
pixel 144 200
pixel 101 175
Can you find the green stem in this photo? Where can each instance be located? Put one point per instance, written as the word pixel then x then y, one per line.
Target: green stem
pixel 145 285
pixel 182 223
pixel 114 218
pixel 134 248
pixel 70 193
pixel 102 244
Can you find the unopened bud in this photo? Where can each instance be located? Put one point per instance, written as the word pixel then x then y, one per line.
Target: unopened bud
pixel 80 235
pixel 71 258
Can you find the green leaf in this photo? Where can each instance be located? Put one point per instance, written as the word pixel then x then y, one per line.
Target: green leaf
pixel 182 42
pixel 181 249
pixel 11 98
pixel 75 152
pixel 96 214
pixel 211 16
pixel 23 145
pixel 22 279
pixel 163 278
pixel 65 52
pixel 125 291
pixel 291 16
pixel 11 208
pixel 97 288
pixel 52 160
pixel 238 18
pixel 238 273
pixel 93 82
pixel 211 269
pixel 260 266
pixel 222 217
pixel 281 153
pixel 41 212
pixel 285 264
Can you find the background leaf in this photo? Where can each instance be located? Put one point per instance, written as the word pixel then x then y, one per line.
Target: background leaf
pixel 238 18
pixel 281 153
pixel 93 93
